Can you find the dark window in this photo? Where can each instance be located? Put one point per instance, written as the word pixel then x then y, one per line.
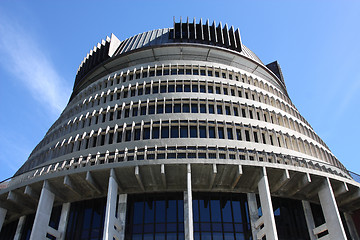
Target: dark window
pixel 155 89
pixel 236 112
pixel 202 89
pixel 194 108
pixel 128 135
pixel 152 109
pixel 218 90
pixel 227 110
pixel 160 108
pixel 183 131
pixel 211 132
pixel 230 133
pixel 193 131
pixel 202 108
pixel 202 131
pixel 221 132
pixel 177 108
pixel 195 71
pixel 186 108
pixel 243 112
pixel 146 133
pixel 221 216
pixel 155 133
pixel 195 88
pixel 164 132
pixel 211 109
pixel 202 72
pixel 173 71
pixel 180 71
pixel 219 109
pixel 135 111
pixel 86 219
pixel 238 134
pixel 256 137
pixel 225 91
pixel 179 87
pixel 143 110
pixel 8 230
pixel 157 216
pixel 174 131
pixel 247 135
pixel 290 219
pixel 137 134
pixel 210 89
pixel 26 231
pixel 171 88
pixel 163 88
pixel 187 88
pixel 168 108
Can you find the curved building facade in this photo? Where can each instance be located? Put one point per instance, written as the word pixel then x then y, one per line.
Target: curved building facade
pixel 180 133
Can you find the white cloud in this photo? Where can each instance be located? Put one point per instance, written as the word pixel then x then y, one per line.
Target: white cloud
pixel 22 56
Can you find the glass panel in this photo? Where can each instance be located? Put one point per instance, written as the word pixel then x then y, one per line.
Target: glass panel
pixel 164 132
pixel 183 131
pixel 193 132
pixel 186 108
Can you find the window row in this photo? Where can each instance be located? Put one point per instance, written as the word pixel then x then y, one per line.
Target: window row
pixel 180 86
pixel 153 71
pixel 139 73
pixel 188 129
pixel 182 106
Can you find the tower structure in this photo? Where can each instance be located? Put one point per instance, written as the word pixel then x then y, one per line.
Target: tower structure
pixel 180 133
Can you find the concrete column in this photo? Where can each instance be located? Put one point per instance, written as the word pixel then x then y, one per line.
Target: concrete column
pixel 43 213
pixel 309 219
pixel 65 210
pixel 109 224
pixel 122 214
pixel 19 227
pixel 3 212
pixel 352 229
pixel 266 207
pixel 188 210
pixel 331 212
pixel 253 212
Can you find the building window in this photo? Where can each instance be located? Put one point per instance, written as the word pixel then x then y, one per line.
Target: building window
pixel 86 220
pixel 224 216
pixel 159 216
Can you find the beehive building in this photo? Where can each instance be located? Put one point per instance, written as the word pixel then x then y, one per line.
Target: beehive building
pixel 180 133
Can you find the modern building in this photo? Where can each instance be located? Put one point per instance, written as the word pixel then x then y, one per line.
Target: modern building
pixel 180 133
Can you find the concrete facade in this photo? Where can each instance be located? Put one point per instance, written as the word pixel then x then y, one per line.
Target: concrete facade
pixel 180 112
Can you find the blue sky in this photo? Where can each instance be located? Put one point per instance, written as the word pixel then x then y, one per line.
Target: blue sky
pixel 43 42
